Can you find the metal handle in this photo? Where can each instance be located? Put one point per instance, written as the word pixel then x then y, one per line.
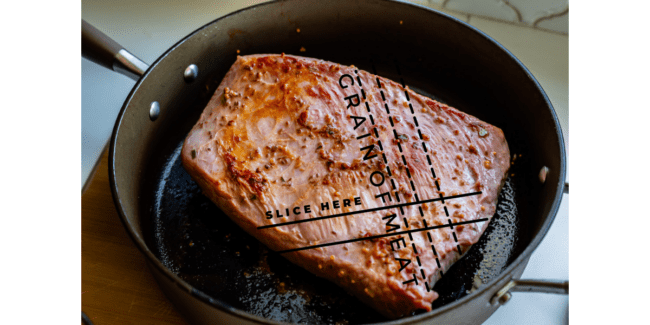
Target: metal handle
pixel 103 50
pixel 543 286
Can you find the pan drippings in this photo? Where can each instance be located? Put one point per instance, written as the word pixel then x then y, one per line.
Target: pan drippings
pixel 206 249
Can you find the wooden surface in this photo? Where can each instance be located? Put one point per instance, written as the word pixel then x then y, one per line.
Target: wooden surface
pixel 116 284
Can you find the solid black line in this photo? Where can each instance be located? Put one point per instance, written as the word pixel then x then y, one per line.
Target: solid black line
pixel 369 210
pixel 443 201
pixel 375 237
pixel 372 237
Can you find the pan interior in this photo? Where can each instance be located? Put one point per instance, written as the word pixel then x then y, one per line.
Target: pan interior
pixel 199 243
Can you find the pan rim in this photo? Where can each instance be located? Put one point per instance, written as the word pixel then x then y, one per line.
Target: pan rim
pixel 204 298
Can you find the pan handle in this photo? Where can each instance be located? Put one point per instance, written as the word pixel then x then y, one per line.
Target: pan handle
pixel 543 286
pixel 103 50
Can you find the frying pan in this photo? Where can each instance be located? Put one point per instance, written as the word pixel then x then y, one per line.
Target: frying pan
pixel 215 273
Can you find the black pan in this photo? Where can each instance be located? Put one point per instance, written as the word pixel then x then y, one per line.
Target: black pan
pixel 216 273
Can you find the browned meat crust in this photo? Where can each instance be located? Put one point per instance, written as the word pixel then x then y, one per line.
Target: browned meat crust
pixel 286 136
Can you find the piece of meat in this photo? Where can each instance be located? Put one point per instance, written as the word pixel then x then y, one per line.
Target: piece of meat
pixel 283 136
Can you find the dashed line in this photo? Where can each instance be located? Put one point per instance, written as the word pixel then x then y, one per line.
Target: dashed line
pixel 408 172
pixel 433 173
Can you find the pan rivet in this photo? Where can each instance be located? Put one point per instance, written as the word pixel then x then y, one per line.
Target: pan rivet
pixel 542 174
pixel 154 111
pixel 505 298
pixel 191 72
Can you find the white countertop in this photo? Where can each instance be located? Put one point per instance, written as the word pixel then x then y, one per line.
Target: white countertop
pixel 148 28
